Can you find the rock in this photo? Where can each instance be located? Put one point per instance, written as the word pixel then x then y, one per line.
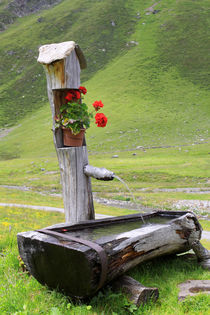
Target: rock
pixel 132 43
pixel 41 19
pixel 2 27
pixel 155 11
pixel 115 156
pixel 193 287
pixel 11 52
pixel 21 8
pixel 138 15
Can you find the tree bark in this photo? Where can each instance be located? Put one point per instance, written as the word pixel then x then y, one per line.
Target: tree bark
pixel 77 192
pixel 67 258
pixel 203 254
pixel 136 292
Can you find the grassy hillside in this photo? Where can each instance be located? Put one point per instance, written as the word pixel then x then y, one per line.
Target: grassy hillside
pixel 150 70
pixel 86 22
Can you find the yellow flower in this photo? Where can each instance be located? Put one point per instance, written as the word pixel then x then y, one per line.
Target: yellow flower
pixel 5 223
pixel 65 121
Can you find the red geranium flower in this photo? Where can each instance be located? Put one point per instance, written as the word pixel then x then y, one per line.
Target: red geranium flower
pixel 101 120
pixel 82 90
pixel 76 94
pixel 69 96
pixel 97 105
pixel 72 94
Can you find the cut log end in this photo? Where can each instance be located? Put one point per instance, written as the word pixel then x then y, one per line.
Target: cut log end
pixel 136 293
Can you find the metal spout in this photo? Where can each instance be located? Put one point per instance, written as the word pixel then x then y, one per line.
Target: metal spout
pixel 100 173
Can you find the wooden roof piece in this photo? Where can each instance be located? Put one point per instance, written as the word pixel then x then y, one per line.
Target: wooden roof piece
pixel 54 52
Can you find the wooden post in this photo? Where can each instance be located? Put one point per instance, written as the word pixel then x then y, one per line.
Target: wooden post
pixel 62 63
pixel 77 193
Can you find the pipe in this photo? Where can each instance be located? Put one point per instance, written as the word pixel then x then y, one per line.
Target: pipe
pixel 100 173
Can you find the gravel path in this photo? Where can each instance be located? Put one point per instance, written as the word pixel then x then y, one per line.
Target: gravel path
pixel 193 205
pixel 43 208
pixel 187 190
pixel 200 205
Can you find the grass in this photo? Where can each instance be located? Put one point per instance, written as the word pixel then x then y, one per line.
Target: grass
pixel 22 294
pixel 88 23
pixel 205 225
pixel 164 99
pixel 168 168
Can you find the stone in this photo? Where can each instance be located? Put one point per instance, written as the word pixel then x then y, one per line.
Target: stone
pixel 41 19
pixel 53 52
pixel 193 287
pixel 155 11
pixel 132 43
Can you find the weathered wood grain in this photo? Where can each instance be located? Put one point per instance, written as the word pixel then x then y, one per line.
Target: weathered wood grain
pixel 45 254
pixel 77 193
pixel 202 254
pixel 62 68
pixel 136 292
pixel 64 73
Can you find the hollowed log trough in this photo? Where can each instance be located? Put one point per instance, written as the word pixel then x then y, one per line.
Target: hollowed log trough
pixel 80 259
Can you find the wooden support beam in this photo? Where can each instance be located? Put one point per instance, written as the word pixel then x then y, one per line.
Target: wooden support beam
pixel 203 254
pixel 136 292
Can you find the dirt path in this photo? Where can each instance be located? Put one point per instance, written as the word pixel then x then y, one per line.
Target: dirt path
pixel 43 208
pixel 5 132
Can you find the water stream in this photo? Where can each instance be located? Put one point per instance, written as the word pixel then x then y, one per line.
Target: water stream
pixel 132 195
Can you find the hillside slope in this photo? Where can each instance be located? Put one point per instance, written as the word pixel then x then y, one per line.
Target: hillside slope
pixel 87 22
pixel 147 63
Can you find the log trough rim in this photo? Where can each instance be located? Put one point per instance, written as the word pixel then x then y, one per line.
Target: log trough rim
pixel 119 219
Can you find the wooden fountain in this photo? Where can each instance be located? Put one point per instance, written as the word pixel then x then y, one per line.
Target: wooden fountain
pixel 82 255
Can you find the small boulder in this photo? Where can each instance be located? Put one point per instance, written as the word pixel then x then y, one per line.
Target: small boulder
pixel 193 287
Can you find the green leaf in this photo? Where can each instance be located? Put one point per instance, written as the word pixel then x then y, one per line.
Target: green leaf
pixel 55 311
pixel 89 307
